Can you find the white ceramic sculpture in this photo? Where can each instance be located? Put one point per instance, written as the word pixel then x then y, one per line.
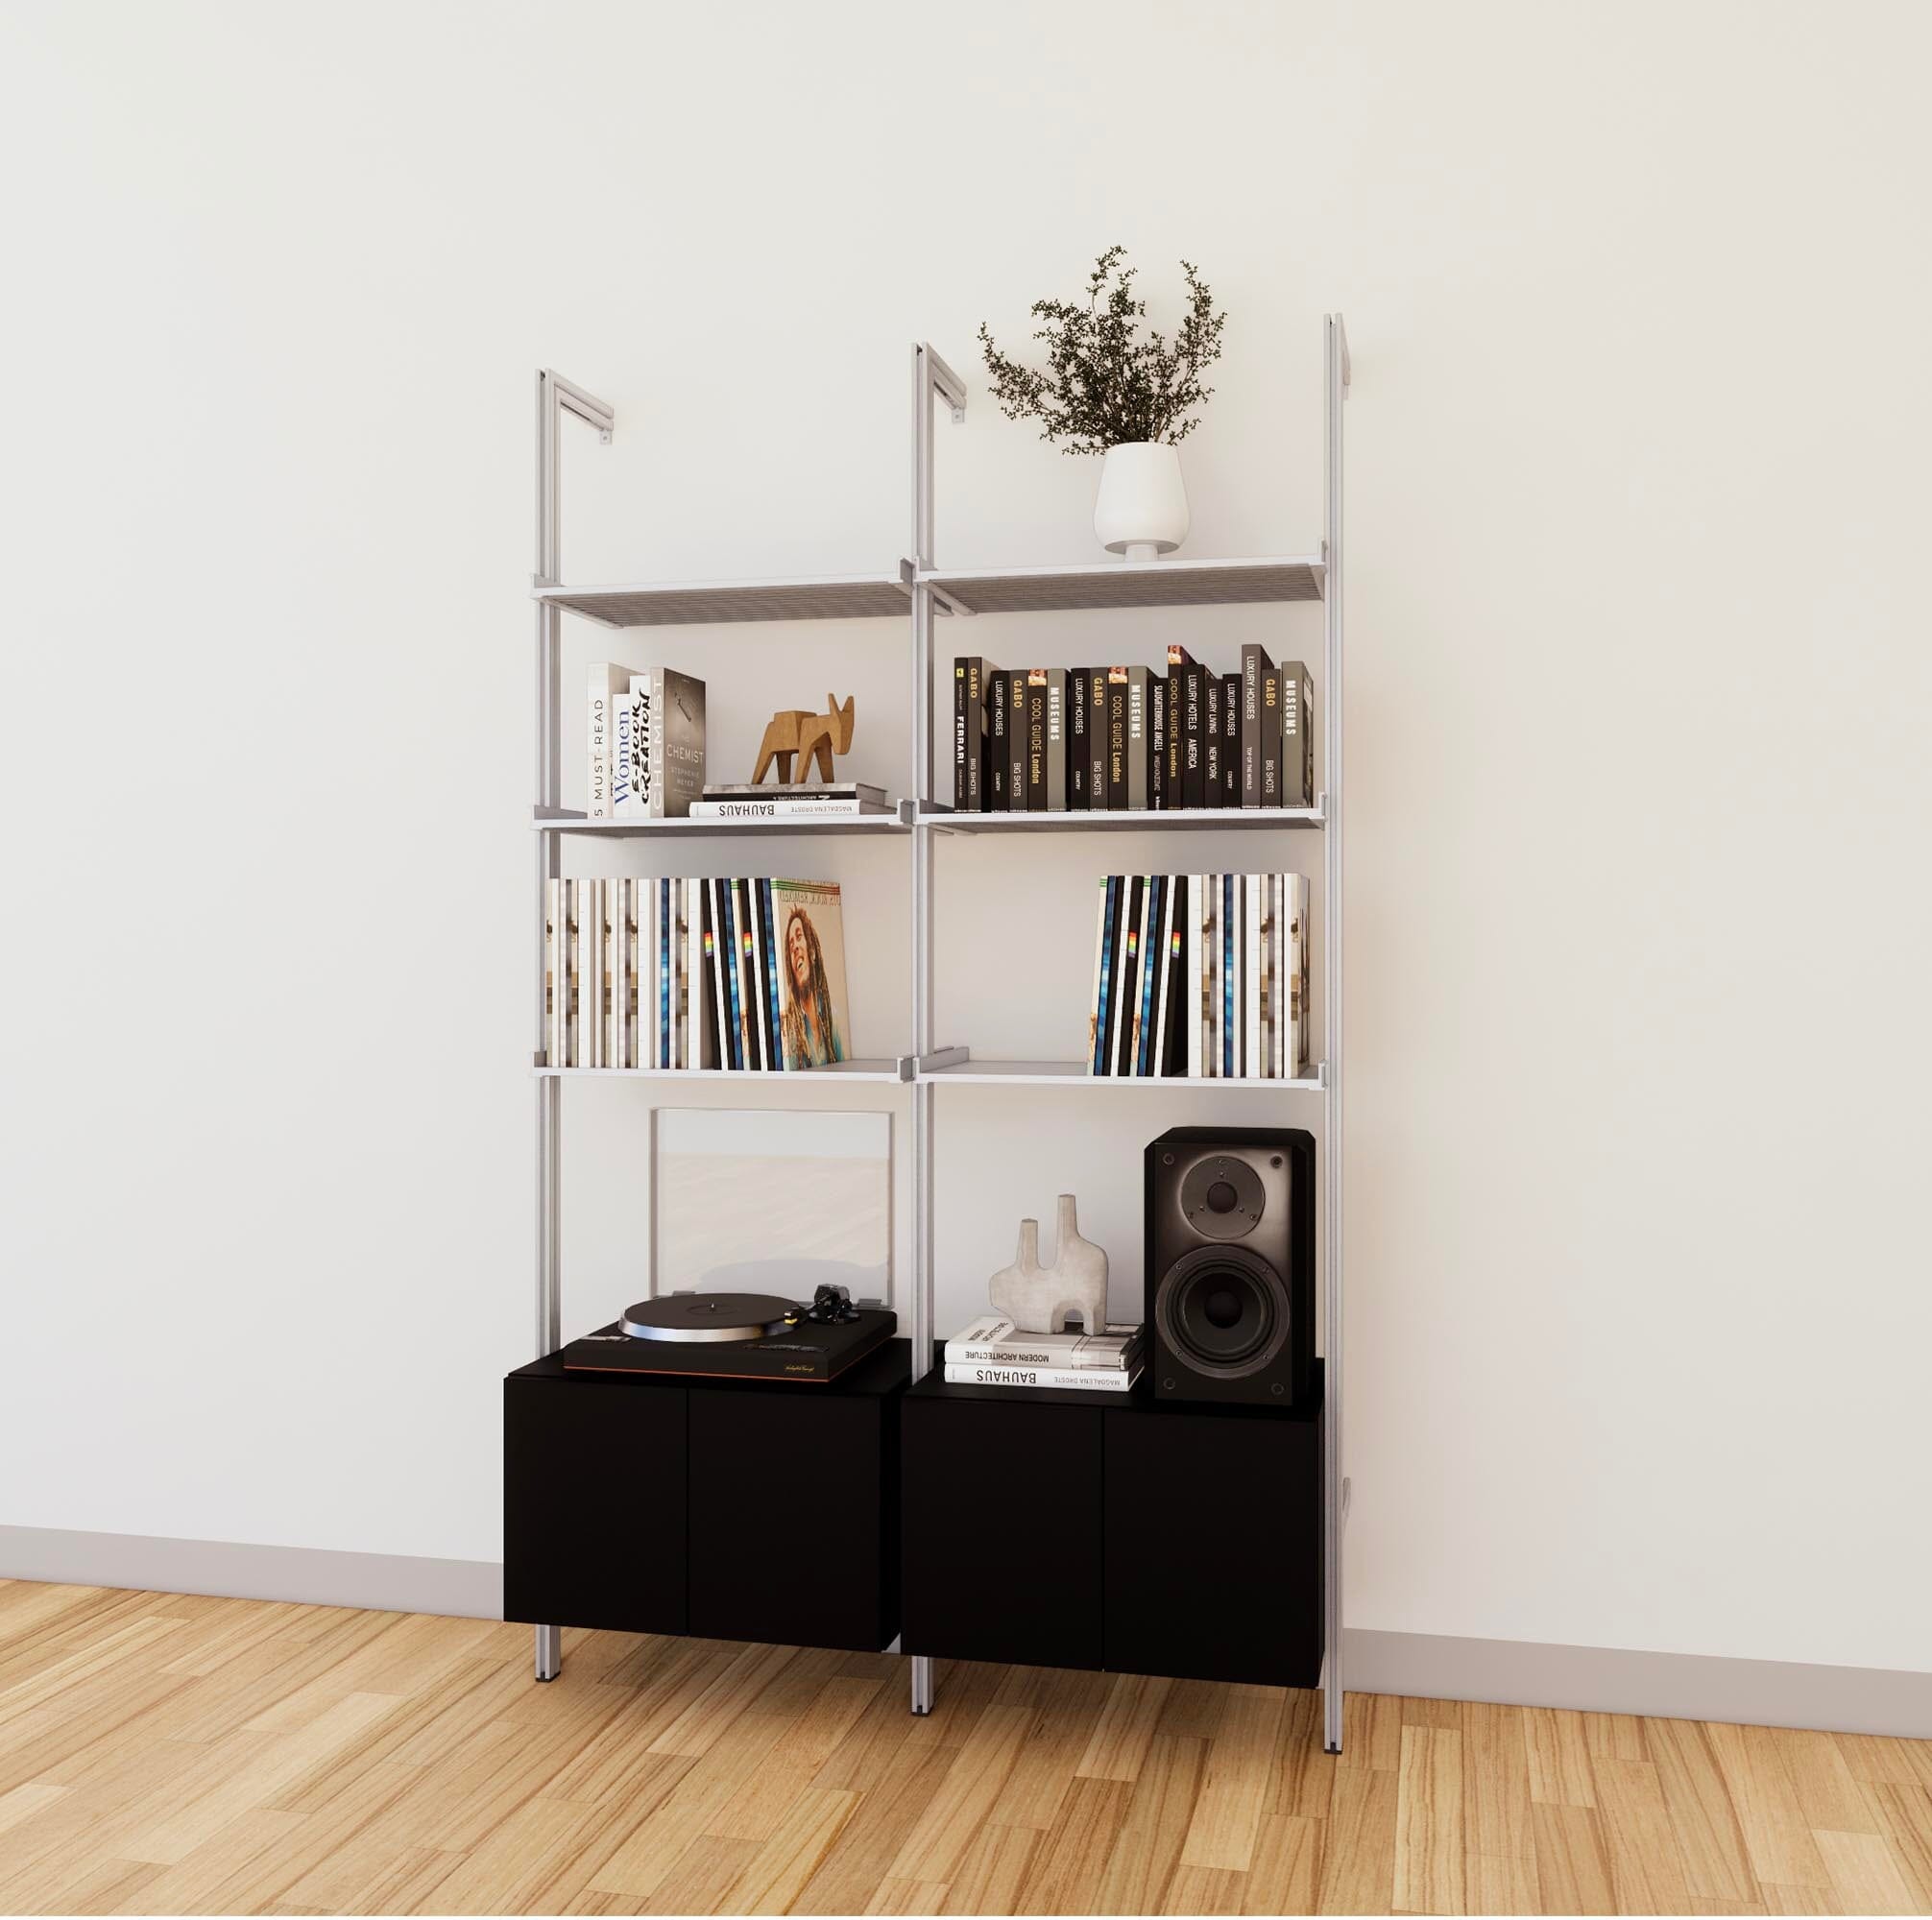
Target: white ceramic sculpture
pixel 1042 1299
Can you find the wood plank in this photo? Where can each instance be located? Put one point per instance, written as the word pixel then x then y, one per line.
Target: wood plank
pixel 909 1896
pixel 1865 1877
pixel 1203 1889
pixel 1904 1813
pixel 1560 1757
pixel 1878 1757
pixel 704 1723
pixel 1615 1736
pixel 1780 1899
pixel 696 1877
pixel 1194 1709
pixel 1502 1883
pixel 1148 1844
pixel 1063 1724
pixel 1711 1843
pixel 1120 1742
pixel 1646 1872
pixel 1285 1874
pixel 777 1872
pixel 1573 1867
pixel 1236 1786
pixel 1371 1731
pixel 856 1864
pixel 1304 1773
pixel 1417 1712
pixel 1072 1854
pixel 992 1870
pixel 1777 1840
pixel 1429 1839
pixel 1357 1855
pixel 1496 1782
pixel 1828 1795
pixel 940 1836
pixel 760 1806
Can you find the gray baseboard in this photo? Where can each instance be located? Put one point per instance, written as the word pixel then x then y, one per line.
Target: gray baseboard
pixel 1625 1680
pixel 389 1583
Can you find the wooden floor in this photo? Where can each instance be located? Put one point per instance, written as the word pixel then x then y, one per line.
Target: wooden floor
pixel 169 1755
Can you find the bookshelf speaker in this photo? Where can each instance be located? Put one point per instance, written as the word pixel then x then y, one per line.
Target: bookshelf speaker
pixel 1230 1264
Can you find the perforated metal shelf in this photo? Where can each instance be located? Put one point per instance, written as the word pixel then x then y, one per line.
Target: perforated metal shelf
pixel 1121 582
pixel 858 596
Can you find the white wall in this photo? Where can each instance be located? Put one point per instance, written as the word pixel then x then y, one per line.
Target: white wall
pixel 1639 686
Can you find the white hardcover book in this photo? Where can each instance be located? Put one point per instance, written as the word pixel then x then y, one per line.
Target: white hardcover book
pixel 643 744
pixel 567 961
pixel 693 1054
pixel 1298 1040
pixel 1056 1380
pixel 609 682
pixel 617 924
pixel 992 1339
pixel 643 974
pixel 1191 1008
pixel 623 755
pixel 1250 975
pixel 553 998
pixel 592 990
pixel 1270 979
pixel 1211 1027
pixel 1133 939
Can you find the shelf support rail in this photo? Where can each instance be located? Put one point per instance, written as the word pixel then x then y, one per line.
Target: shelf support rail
pixel 555 398
pixel 931 377
pixel 1334 1485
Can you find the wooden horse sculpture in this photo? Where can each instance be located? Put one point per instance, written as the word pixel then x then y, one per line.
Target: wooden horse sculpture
pixel 805 737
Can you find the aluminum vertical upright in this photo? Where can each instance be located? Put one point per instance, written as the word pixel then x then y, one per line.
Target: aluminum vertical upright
pixel 554 395
pixel 930 376
pixel 1335 1489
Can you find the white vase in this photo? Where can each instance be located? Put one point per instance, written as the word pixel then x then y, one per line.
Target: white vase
pixel 1142 509
pixel 1042 1299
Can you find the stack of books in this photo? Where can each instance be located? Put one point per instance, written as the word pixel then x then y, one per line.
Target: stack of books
pixel 1200 976
pixel 990 1352
pixel 803 800
pixel 718 974
pixel 1051 739
pixel 646 742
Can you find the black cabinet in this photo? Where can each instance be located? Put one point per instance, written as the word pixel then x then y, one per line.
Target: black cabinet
pixel 791 1494
pixel 1002 1530
pixel 1214 1545
pixel 593 1503
pixel 734 1510
pixel 1046 1529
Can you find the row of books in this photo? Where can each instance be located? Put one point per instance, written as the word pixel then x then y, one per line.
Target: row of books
pixel 694 973
pixel 1200 976
pixel 646 741
pixel 1083 739
pixel 991 1352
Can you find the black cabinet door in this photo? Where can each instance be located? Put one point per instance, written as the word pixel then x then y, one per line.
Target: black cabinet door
pixel 1002 1531
pixel 593 1505
pixel 789 1498
pixel 1214 1547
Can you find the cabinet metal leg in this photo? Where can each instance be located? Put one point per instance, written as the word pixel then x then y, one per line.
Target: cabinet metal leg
pixel 922 1683
pixel 550 1653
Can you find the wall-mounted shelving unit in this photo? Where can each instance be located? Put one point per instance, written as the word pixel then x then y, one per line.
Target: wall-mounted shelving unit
pixel 919 591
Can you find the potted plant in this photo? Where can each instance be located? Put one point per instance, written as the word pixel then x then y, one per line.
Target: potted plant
pixel 1108 389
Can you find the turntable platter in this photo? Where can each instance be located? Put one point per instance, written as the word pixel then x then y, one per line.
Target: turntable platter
pixel 710 1316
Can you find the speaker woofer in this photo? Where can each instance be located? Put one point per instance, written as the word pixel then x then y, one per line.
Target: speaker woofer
pixel 1223 1311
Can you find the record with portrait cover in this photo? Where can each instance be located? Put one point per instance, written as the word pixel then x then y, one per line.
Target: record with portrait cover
pixel 813 1013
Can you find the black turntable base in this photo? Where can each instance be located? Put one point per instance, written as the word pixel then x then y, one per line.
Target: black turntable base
pixel 734 1336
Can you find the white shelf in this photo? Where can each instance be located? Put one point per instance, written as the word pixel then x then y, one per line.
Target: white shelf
pixel 1122 583
pixel 897 822
pixel 888 1072
pixel 850 596
pixel 1190 819
pixel 1076 1073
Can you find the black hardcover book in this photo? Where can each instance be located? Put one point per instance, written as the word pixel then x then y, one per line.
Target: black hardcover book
pixel 1254 662
pixel 1036 740
pixel 1127 979
pixel 767 986
pixel 1174 1053
pixel 1271 736
pixel 731 1054
pixel 1193 764
pixel 1177 660
pixel 1157 741
pixel 1116 738
pixel 745 944
pixel 1102 1024
pixel 1097 740
pixel 997 762
pixel 1079 694
pixel 1140 738
pixel 1149 1006
pixel 959 800
pixel 1230 740
pixel 969 722
pixel 1056 739
pixel 706 984
pixel 1016 744
pixel 1211 736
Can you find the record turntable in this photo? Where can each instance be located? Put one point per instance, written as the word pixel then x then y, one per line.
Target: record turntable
pixel 736 1335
